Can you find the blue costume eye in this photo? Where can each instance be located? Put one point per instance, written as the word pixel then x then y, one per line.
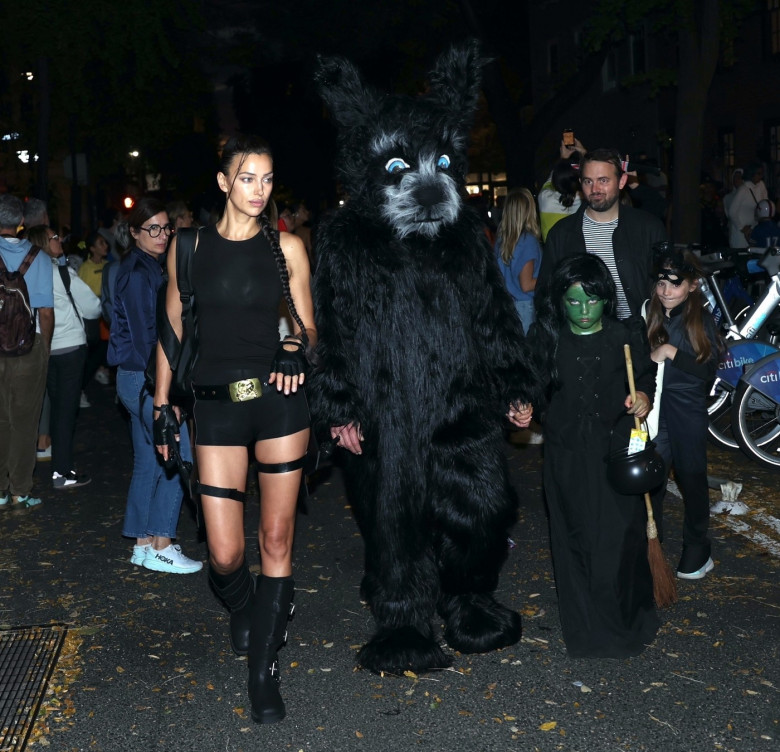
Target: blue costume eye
pixel 443 162
pixel 396 164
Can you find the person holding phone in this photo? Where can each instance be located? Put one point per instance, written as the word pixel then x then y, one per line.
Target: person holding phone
pixel 560 195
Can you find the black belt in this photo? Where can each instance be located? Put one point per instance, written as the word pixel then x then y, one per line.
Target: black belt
pixel 237 391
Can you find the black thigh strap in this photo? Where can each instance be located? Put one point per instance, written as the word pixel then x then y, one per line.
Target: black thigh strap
pixel 220 493
pixel 280 467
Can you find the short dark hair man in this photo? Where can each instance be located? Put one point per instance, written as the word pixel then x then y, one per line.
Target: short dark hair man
pixel 623 237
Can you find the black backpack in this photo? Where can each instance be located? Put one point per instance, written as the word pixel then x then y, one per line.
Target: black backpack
pixel 181 355
pixel 17 317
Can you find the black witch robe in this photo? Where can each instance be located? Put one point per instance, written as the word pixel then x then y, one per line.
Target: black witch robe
pixel 598 537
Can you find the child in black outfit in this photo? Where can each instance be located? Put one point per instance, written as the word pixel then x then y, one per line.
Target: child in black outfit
pixel 598 536
pixel 684 338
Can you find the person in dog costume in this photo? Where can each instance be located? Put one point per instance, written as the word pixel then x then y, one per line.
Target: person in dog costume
pixel 420 358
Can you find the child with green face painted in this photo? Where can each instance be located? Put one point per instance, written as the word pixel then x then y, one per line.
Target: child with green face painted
pixel 598 537
pixel 583 310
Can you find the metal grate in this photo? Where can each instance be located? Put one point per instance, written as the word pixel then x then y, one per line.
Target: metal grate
pixel 28 656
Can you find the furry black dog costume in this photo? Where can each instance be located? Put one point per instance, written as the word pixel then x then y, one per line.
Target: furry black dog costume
pixel 419 345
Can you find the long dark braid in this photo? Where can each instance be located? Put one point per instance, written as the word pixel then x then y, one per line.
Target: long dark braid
pixel 244 146
pixel 272 236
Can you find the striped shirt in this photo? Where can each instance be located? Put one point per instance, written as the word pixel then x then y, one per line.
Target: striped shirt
pixel 598 241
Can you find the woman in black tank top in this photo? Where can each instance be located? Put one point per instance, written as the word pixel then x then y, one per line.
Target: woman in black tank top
pixel 248 390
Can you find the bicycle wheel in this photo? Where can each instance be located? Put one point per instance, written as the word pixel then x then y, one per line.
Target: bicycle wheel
pixel 756 422
pixel 719 429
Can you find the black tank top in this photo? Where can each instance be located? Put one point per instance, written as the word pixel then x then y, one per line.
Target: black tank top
pixel 237 295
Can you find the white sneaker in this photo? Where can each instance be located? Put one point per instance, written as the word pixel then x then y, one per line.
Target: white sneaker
pixel 84 402
pixel 139 554
pixel 701 572
pixel 101 376
pixel 170 559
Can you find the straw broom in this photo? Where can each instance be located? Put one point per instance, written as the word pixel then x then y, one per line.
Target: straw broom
pixel 664 585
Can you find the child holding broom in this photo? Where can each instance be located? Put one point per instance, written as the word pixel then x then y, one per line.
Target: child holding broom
pixel 598 537
pixel 684 339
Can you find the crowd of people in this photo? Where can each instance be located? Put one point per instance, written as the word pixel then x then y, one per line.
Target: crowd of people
pixel 593 275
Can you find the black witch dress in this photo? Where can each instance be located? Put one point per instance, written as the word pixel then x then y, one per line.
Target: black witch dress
pixel 598 537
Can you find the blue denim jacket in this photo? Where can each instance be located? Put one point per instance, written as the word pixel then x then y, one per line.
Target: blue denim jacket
pixel 134 324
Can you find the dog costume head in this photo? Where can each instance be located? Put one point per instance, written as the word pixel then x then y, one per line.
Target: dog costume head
pixel 405 155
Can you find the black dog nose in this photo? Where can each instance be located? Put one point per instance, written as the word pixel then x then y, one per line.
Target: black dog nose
pixel 429 195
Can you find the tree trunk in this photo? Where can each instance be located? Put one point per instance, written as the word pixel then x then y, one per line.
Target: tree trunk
pixel 75 188
pixel 44 125
pixel 699 44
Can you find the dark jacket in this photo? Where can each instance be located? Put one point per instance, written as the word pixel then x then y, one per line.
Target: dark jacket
pixel 632 242
pixel 684 372
pixel 134 323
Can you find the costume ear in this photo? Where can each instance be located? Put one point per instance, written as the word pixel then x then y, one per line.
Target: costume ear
pixel 455 81
pixel 349 100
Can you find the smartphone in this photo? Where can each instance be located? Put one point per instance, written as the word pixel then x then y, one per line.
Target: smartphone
pixel 568 137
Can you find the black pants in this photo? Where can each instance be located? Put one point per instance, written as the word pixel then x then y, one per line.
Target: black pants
pixel 682 442
pixel 63 382
pixel 96 351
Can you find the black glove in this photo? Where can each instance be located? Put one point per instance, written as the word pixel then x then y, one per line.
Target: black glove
pixel 290 362
pixel 165 429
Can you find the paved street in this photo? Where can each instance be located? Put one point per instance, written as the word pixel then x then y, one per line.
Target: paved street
pixel 146 665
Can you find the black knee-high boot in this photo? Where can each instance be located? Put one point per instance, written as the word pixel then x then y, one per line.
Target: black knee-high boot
pixel 237 591
pixel 271 611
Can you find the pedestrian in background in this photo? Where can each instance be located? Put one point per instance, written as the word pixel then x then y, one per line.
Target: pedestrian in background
pixel 518 251
pixel 23 377
pixel 155 494
pixel 73 302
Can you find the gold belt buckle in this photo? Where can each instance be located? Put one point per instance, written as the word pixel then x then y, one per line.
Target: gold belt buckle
pixel 245 390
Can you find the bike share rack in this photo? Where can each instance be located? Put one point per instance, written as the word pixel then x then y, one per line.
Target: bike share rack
pixel 751 366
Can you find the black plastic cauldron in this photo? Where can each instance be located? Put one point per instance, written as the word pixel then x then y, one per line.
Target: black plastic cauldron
pixel 636 473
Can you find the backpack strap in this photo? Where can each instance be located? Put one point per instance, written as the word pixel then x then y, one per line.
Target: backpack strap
pixel 28 259
pixel 186 242
pixel 185 249
pixel 65 277
pixel 26 262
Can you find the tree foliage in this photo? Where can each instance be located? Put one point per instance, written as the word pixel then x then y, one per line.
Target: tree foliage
pixel 122 75
pixel 697 31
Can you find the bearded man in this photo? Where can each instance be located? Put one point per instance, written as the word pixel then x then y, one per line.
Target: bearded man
pixel 621 236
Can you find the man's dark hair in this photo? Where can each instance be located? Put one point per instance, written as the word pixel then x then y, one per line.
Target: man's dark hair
pixel 603 155
pixel 35 212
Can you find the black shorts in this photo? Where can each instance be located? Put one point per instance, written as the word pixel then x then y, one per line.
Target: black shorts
pixel 225 423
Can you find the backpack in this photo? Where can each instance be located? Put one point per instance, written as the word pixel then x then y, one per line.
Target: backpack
pixel 17 317
pixel 181 355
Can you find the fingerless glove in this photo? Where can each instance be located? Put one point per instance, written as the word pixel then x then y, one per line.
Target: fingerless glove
pixel 165 429
pixel 290 362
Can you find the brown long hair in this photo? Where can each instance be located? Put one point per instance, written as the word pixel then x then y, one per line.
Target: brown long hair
pixel 687 266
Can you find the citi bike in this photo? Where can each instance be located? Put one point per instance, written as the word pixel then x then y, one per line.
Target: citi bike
pixel 744 404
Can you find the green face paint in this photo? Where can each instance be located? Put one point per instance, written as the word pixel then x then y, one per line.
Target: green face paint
pixel 583 311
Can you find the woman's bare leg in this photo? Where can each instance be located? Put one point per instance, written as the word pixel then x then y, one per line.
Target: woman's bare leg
pixel 278 502
pixel 223 467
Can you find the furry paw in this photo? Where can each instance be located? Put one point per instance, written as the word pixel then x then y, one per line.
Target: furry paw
pixel 394 651
pixel 477 623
